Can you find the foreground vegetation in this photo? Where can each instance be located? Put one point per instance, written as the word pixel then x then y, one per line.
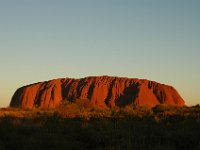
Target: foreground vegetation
pixel 82 126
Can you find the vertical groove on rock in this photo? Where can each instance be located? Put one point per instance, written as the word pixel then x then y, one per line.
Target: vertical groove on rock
pixel 110 92
pixel 91 89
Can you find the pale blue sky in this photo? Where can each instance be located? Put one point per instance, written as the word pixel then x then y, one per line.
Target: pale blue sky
pixel 153 39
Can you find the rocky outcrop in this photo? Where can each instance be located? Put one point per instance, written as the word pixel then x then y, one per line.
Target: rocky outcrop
pixel 103 91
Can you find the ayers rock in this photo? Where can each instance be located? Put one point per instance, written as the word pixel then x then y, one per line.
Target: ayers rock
pixel 103 91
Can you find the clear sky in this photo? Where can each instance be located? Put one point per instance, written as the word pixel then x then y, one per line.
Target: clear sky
pixel 153 39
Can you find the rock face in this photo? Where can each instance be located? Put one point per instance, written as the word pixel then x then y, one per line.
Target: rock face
pixel 103 91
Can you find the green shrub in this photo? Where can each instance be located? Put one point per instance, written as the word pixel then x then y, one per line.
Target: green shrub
pixel 162 108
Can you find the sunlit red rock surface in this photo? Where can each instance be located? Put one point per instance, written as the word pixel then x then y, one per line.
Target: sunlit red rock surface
pixel 103 91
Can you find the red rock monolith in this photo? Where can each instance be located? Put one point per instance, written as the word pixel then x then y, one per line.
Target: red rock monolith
pixel 103 91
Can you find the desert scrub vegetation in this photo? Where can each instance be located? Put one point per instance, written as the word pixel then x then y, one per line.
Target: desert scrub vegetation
pixel 55 132
pixel 82 108
pixel 80 125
